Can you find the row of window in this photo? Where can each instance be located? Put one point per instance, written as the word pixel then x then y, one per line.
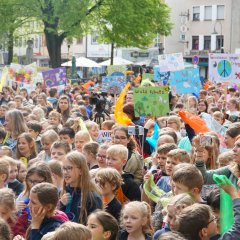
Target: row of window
pixel 208 12
pixel 207 42
pixel 22 42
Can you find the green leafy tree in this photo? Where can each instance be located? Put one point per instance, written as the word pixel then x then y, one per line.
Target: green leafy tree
pixel 119 22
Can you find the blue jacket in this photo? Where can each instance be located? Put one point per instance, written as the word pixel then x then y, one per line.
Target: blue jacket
pixel 94 202
pixel 48 225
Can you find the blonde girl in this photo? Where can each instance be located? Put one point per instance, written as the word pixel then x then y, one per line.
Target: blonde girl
pixel 175 206
pixel 93 130
pixel 26 148
pixel 80 196
pixel 136 221
pixel 8 207
pixel 47 140
pixel 14 125
pixel 192 102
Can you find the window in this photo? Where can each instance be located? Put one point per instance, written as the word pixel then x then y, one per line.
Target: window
pixel 219 42
pixel 207 42
pixel 195 42
pixel 208 12
pixel 94 37
pixel 196 13
pixel 36 42
pixel 220 12
pixel 157 41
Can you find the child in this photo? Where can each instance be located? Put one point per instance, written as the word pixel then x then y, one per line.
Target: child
pixel 109 181
pixel 107 125
pixel 90 151
pixel 6 151
pixel 3 135
pixel 59 150
pixel 174 157
pixel 175 206
pixel 93 130
pixel 26 148
pixel 187 178
pixel 57 174
pixel 47 139
pixel 225 159
pixel 12 181
pixel 77 184
pixel 35 129
pixel 54 119
pixel 68 135
pixel 136 221
pixel 44 216
pixel 18 99
pixel 197 222
pixel 71 230
pixel 4 172
pixel 22 172
pixel 102 225
pixel 8 207
pixel 82 137
pixel 5 231
pixel 117 156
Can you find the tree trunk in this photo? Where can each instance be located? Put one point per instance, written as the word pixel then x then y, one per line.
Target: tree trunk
pixel 10 47
pixel 112 53
pixel 54 43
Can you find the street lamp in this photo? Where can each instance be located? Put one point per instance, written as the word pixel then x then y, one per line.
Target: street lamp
pixel 215 33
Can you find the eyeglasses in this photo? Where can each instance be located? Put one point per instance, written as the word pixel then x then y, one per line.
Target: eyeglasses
pixel 214 219
pixel 120 138
pixel 67 169
pixel 101 156
pixel 34 182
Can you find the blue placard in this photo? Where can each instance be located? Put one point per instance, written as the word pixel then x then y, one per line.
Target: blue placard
pixel 185 81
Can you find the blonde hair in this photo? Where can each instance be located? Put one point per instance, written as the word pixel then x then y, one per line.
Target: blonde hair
pixel 110 175
pixel 71 231
pixel 55 167
pixel 51 135
pixel 145 210
pixel 91 147
pixel 55 114
pixel 118 150
pixel 225 158
pixel 5 231
pixel 91 124
pixel 180 154
pixel 176 119
pixel 83 134
pixel 84 182
pixel 4 167
pixel 7 199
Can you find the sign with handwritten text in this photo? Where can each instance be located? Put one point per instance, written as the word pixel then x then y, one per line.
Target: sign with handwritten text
pixel 171 62
pixel 104 136
pixel 185 81
pixel 113 84
pixel 224 67
pixel 151 101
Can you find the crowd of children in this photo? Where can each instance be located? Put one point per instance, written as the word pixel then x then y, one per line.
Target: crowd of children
pixel 60 181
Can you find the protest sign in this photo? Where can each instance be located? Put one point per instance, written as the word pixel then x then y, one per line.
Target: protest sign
pixel 161 77
pixel 171 62
pixel 151 101
pixel 185 81
pixel 55 77
pixel 113 84
pixel 224 67
pixel 104 136
pixel 149 76
pixel 116 70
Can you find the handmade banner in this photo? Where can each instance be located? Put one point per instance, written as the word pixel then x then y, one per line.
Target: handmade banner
pixel 22 74
pixel 161 77
pixel 151 101
pixel 113 84
pixel 185 81
pixel 116 70
pixel 104 136
pixel 171 62
pixel 55 77
pixel 224 67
